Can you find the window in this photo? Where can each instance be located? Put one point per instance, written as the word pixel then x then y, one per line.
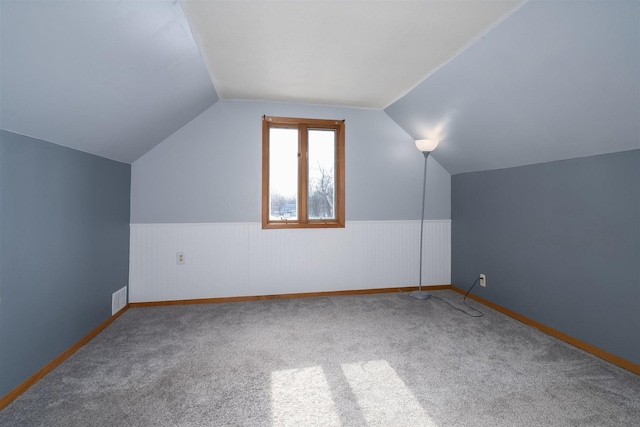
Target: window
pixel 302 173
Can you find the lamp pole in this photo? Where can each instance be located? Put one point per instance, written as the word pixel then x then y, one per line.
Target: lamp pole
pixel 420 294
pixel 426 146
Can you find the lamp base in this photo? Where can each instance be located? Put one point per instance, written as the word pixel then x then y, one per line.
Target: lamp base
pixel 420 295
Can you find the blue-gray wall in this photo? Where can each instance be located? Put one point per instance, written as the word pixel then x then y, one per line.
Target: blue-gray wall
pixel 559 243
pixel 210 170
pixel 64 226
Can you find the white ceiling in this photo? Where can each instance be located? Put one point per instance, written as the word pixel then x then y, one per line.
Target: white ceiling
pixel 346 53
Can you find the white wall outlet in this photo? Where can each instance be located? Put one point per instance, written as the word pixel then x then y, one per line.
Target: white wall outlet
pixel 180 258
pixel 483 280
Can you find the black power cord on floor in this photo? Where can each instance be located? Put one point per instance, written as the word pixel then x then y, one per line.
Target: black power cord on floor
pixel 464 301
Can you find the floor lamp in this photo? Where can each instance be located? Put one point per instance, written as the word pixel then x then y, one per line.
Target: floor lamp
pixel 426 146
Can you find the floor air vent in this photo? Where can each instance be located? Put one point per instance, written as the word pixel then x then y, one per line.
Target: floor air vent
pixel 118 300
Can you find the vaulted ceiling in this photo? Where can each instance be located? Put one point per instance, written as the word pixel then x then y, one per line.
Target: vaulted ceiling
pixel 347 53
pixel 112 78
pixel 556 80
pixel 500 83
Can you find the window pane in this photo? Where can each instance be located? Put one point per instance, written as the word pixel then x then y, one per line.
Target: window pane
pixel 322 149
pixel 283 174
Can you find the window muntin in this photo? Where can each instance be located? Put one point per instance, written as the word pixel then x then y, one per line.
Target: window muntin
pixel 302 173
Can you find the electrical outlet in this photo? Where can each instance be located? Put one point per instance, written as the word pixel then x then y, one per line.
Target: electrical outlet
pixel 483 280
pixel 180 258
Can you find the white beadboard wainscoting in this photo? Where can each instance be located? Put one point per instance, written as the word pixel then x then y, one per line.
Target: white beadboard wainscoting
pixel 242 259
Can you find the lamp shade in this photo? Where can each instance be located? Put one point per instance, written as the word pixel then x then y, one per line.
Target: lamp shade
pixel 426 145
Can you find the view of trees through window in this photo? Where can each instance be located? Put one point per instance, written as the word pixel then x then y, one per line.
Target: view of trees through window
pixel 321 173
pixel 321 199
pixel 321 177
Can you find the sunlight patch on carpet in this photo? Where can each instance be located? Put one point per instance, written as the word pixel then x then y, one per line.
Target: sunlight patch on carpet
pixel 383 396
pixel 302 397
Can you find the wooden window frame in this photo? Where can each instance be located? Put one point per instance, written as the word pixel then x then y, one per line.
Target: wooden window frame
pixel 303 125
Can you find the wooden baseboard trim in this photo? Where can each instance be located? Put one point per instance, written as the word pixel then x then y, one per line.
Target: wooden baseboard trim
pixel 286 296
pixel 589 348
pixel 609 357
pixel 13 394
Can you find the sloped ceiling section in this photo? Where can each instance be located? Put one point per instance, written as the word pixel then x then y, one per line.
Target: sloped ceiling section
pixel 363 54
pixel 112 78
pixel 556 80
pixel 506 84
